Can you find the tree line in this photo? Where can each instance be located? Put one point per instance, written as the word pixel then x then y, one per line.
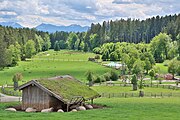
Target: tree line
pixel 130 30
pixel 17 44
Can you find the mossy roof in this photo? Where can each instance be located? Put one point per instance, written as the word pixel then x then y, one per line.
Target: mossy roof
pixel 67 87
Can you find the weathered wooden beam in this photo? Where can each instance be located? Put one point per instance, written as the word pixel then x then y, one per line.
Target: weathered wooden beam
pixel 67 107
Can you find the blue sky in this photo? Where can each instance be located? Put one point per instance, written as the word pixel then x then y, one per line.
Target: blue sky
pixel 31 13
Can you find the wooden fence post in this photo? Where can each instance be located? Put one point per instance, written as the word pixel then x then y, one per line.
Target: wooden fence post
pixel 102 94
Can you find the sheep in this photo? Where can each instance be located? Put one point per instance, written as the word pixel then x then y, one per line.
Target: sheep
pixel 11 109
pixel 47 110
pixel 60 110
pixel 30 110
pixel 73 110
pixel 81 108
pixel 88 106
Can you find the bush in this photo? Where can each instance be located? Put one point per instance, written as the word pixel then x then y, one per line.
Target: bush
pixel 97 79
pixel 107 76
pixel 178 70
pixel 97 50
pixel 178 58
pixel 97 57
pixel 113 76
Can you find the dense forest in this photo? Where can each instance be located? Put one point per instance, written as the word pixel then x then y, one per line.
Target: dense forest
pixel 18 44
pixel 130 30
pixel 159 36
pixel 135 30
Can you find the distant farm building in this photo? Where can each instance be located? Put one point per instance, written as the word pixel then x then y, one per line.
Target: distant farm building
pixel 59 92
pixel 114 65
pixel 168 76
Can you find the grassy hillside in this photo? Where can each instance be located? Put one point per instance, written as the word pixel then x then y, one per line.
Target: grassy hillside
pixel 43 65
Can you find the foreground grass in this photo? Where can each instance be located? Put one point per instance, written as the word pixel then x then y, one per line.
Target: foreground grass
pixel 117 109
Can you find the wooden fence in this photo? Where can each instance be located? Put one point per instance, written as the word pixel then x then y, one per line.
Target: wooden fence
pixel 55 59
pixel 146 94
pixel 145 85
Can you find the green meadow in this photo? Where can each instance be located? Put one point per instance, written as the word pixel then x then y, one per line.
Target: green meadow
pixel 75 64
pixel 121 89
pixel 50 63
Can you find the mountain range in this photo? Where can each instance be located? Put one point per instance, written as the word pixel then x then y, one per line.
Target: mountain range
pixel 53 28
pixel 50 28
pixel 11 24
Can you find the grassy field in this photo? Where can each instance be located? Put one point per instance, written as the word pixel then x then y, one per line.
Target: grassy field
pixel 120 89
pixel 64 55
pixel 117 109
pixel 163 69
pixel 76 64
pixel 48 64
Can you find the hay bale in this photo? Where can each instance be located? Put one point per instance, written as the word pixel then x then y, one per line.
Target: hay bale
pixel 88 106
pixel 30 110
pixel 60 110
pixel 11 109
pixel 81 108
pixel 47 110
pixel 73 110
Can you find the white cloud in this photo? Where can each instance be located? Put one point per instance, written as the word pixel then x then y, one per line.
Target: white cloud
pixel 30 13
pixel 7 13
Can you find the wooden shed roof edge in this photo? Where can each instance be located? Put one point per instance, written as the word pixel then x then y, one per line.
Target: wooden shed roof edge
pixel 42 88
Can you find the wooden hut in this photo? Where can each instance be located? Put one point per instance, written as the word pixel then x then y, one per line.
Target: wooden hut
pixel 58 92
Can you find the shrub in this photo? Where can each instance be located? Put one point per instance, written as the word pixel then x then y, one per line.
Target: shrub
pixel 178 70
pixel 97 50
pixel 178 58
pixel 113 76
pixel 97 79
pixel 107 76
pixel 97 57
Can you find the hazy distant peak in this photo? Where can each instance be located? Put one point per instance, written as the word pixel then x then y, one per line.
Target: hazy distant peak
pixel 53 28
pixel 11 24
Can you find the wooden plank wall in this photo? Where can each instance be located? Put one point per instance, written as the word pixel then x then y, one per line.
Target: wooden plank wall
pixel 35 98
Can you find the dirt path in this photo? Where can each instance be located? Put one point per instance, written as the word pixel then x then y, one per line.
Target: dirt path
pixel 6 98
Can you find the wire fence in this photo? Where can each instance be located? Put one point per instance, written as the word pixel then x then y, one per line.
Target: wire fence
pixel 173 87
pixel 55 59
pixel 146 94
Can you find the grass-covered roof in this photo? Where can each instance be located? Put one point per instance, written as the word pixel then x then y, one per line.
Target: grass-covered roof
pixel 67 87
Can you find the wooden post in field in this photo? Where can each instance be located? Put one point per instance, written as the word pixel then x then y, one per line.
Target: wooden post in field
pixel 67 107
